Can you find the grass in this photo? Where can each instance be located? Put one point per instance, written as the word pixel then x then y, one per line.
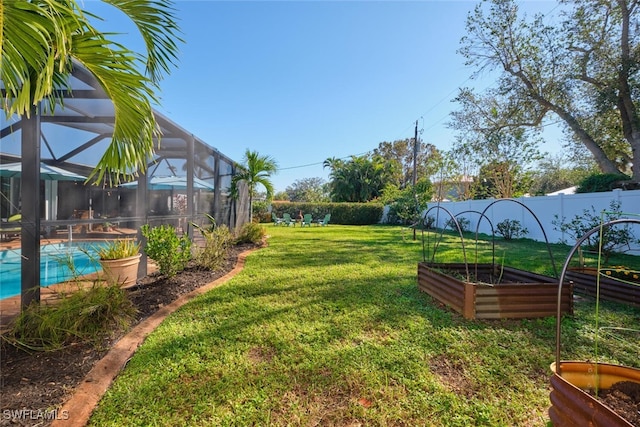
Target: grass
pixel 325 326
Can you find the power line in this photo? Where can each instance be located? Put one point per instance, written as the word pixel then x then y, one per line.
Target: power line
pixel 322 162
pixel 433 124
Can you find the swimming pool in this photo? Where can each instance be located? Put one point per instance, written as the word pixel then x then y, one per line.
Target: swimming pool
pixel 54 265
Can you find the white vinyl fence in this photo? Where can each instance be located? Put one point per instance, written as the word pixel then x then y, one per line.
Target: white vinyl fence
pixel 545 208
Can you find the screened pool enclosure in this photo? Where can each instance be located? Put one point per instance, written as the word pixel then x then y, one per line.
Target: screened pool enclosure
pixel 186 180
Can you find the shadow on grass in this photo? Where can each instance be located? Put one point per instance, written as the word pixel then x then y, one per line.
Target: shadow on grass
pixel 333 310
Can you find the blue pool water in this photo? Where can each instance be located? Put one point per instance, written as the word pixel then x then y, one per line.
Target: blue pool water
pixel 54 265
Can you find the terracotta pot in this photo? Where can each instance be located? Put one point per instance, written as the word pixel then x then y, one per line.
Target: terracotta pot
pixel 571 406
pixel 123 271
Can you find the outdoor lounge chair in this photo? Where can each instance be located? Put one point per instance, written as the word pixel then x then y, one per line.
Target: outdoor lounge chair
pixel 276 220
pixel 307 220
pixel 11 231
pixel 287 220
pixel 325 220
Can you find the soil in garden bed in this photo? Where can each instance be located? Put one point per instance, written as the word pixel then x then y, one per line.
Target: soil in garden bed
pixel 624 399
pixel 487 275
pixel 40 382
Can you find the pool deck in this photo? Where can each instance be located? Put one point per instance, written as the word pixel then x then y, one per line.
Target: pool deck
pixel 10 307
pixel 61 237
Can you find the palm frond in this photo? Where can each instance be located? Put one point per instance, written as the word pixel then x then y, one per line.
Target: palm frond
pixel 159 30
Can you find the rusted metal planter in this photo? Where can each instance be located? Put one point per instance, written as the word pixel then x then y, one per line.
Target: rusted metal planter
pixel 571 406
pixel 585 281
pixel 520 294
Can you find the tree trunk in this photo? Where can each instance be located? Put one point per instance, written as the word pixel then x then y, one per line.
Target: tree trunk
pixel 628 111
pixel 635 159
pixel 605 164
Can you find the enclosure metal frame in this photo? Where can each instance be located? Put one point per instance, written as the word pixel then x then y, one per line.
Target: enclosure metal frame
pixel 87 107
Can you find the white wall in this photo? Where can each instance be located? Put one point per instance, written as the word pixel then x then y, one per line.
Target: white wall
pixel 544 208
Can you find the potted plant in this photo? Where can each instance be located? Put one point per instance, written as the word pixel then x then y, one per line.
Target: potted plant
pixel 119 260
pixel 577 385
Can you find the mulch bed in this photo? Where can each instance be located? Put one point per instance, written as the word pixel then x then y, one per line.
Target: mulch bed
pixel 35 384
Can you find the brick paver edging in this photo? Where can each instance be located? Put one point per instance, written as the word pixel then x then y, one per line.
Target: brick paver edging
pixel 87 394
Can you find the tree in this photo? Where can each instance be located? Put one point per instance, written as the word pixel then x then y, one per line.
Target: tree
pixel 455 176
pixel 555 173
pixel 503 158
pixel 256 170
pixel 313 190
pixel 501 180
pixel 281 195
pixel 40 40
pixel 407 204
pixel 400 154
pixel 584 71
pixel 359 179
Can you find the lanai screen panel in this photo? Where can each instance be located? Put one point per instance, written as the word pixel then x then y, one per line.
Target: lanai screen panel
pixel 73 136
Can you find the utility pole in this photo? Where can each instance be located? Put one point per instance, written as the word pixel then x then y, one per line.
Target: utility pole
pixel 415 156
pixel 415 173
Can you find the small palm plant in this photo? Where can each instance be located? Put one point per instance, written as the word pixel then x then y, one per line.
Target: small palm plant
pixel 120 248
pixel 257 169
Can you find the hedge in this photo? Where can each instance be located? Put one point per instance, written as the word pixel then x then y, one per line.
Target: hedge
pixel 341 213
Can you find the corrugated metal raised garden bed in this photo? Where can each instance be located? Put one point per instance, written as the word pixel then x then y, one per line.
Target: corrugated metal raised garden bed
pixel 577 386
pixel 493 291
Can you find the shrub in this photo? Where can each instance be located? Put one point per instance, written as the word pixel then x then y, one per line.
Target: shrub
pixel 406 205
pixel 429 222
pixel 167 249
pixel 260 210
pixel 511 229
pixel 614 239
pixel 598 183
pixel 217 240
pixel 463 222
pixel 341 213
pixel 86 314
pixel 251 233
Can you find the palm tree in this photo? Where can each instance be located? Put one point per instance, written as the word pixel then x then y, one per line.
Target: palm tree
pixel 256 169
pixel 41 40
pixel 359 179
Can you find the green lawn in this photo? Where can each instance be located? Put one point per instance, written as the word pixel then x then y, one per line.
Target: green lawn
pixel 325 326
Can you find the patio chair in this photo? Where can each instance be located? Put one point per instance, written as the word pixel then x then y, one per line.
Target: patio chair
pixel 307 219
pixel 287 220
pixel 325 220
pixel 276 220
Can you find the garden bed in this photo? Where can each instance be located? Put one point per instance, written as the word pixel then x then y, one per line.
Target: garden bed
pixel 518 294
pixel 573 397
pixel 584 282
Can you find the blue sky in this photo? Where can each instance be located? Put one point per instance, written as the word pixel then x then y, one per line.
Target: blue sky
pixel 303 81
